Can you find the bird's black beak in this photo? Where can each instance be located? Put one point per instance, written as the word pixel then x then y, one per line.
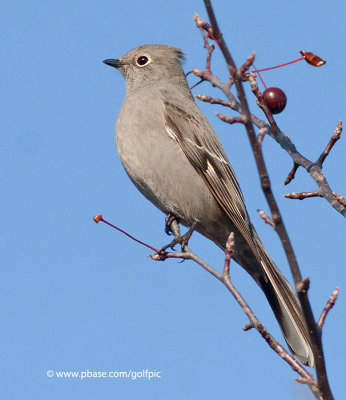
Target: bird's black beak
pixel 113 63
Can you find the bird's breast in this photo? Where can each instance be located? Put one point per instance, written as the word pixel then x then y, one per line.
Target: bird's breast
pixel 158 167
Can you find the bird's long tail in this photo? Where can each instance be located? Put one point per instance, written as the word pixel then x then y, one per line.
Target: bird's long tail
pixel 283 302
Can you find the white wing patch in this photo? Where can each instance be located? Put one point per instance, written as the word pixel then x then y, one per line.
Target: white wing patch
pixel 211 155
pixel 170 133
pixel 210 167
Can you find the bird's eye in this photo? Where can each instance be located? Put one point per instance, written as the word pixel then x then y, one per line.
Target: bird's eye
pixel 142 60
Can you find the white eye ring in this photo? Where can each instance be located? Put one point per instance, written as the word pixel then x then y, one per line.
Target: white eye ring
pixel 143 60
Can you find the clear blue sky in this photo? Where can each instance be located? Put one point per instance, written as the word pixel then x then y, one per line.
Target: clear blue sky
pixel 78 296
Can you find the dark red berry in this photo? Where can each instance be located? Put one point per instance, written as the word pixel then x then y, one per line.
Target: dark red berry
pixel 275 99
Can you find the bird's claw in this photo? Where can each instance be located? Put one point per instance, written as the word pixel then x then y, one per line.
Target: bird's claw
pixel 181 240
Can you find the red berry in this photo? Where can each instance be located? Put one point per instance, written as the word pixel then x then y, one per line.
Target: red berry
pixel 275 99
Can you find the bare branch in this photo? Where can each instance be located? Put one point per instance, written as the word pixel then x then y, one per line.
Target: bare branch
pixel 314 169
pixel 228 254
pixel 330 304
pixel 211 100
pixel 262 132
pixel 301 285
pixel 266 218
pixel 247 327
pixel 230 120
pixel 248 63
pixel 188 254
pixel 303 195
pixel 306 381
pixel 291 174
pixel 335 137
pixel 204 26
pixel 315 193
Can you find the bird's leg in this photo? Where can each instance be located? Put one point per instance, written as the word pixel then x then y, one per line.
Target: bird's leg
pixel 184 240
pixel 172 225
pixel 170 221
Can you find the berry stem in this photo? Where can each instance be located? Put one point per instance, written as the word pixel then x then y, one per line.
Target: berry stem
pixel 259 75
pixel 100 218
pixel 278 66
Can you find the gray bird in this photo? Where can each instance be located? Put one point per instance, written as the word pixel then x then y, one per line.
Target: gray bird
pixel 174 158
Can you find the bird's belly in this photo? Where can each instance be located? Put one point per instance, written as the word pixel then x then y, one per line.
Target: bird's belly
pixel 170 182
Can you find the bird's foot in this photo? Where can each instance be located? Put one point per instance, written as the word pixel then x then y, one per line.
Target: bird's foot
pixel 178 239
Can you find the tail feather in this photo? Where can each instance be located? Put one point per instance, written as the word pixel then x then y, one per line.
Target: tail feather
pixel 287 311
pixel 281 297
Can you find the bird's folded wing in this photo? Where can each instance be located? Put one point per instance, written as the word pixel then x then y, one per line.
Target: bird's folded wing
pixel 203 149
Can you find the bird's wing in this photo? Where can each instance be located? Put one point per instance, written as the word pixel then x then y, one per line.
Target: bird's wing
pixel 204 151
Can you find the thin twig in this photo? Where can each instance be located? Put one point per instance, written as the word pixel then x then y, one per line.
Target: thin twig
pixel 211 100
pixel 261 133
pixel 204 26
pixel 315 193
pixel 247 64
pixel 228 255
pixel 229 119
pixel 330 304
pixel 303 195
pixel 266 218
pixel 305 381
pixel 291 174
pixel 335 137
